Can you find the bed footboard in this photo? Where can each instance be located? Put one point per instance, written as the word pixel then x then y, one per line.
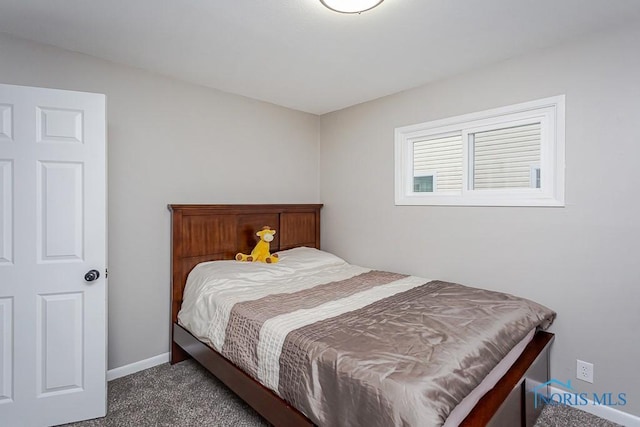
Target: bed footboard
pixel 512 401
pixel 275 410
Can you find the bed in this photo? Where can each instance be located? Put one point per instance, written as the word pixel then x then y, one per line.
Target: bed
pixel 202 233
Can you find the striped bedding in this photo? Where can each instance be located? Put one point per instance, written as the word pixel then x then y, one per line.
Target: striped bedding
pixel 347 345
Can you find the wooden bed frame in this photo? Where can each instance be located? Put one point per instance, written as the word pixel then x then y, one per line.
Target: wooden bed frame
pixel 217 232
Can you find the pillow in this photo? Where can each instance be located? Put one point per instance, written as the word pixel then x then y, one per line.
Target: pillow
pixel 292 261
pixel 308 258
pixel 298 268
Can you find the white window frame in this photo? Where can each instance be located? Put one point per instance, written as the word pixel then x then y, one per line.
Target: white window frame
pixel 550 112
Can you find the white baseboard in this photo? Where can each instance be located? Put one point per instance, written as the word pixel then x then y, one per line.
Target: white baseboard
pixel 132 368
pixel 606 412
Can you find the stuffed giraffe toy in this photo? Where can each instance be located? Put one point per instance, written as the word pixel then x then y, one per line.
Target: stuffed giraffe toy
pixel 261 252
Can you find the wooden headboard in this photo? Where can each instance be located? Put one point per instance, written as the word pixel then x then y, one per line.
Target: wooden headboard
pixel 214 232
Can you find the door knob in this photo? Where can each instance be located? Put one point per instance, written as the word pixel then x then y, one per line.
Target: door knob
pixel 91 275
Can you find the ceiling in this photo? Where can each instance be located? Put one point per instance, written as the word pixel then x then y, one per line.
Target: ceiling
pixel 299 54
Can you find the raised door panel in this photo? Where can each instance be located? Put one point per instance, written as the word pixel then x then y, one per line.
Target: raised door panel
pixel 60 211
pixel 59 125
pixel 6 350
pixel 6 122
pixel 6 212
pixel 60 343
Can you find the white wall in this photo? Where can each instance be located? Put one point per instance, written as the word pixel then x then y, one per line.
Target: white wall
pixel 170 142
pixel 581 260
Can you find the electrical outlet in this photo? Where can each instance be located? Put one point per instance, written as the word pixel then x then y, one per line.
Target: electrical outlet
pixel 584 371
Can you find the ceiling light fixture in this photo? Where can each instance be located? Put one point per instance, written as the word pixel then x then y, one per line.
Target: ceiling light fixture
pixel 351 6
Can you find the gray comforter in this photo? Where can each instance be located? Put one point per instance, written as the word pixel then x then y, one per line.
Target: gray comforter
pixel 405 359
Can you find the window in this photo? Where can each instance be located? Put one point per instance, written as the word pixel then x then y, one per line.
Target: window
pixel 510 156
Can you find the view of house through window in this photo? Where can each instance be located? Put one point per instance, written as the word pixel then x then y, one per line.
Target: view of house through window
pixel 438 161
pixel 505 158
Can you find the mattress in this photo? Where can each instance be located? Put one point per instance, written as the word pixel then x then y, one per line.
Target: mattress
pixel 347 345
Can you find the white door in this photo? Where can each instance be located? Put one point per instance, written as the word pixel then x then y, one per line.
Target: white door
pixel 52 232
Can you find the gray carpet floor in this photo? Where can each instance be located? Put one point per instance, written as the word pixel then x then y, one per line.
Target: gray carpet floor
pixel 187 395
